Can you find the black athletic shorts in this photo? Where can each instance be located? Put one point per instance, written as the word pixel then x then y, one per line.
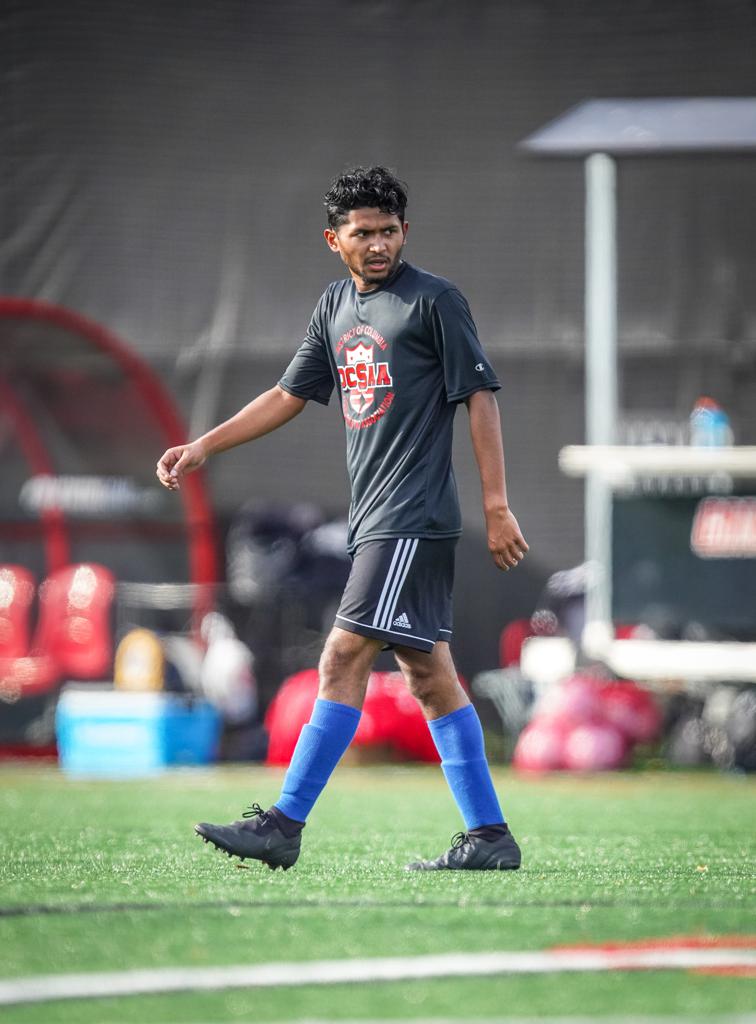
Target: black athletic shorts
pixel 400 591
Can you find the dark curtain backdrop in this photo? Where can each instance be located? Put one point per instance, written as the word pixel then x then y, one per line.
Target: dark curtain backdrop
pixel 162 167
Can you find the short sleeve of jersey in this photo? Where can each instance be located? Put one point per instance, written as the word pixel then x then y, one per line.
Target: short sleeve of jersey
pixel 309 374
pixel 466 368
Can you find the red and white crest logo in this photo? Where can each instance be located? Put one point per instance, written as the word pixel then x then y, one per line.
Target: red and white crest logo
pixel 362 376
pixel 361 357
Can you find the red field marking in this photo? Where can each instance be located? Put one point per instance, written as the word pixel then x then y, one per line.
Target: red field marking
pixel 672 942
pixel 678 942
pixel 142 981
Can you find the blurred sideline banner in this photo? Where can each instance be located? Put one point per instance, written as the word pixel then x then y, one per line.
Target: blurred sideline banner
pixel 164 164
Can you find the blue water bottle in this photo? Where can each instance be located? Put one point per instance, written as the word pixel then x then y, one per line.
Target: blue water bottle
pixel 709 424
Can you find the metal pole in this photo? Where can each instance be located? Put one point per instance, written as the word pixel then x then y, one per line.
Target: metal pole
pixel 600 371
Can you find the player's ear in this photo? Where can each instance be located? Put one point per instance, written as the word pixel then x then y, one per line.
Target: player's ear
pixel 405 229
pixel 331 240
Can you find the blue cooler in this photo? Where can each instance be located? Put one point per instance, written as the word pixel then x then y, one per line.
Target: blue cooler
pixel 116 733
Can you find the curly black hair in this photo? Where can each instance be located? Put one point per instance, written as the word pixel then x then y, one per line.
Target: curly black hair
pixel 375 187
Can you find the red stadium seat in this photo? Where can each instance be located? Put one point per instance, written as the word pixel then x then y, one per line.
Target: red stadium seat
pixel 27 676
pixel 512 637
pixel 22 672
pixel 74 621
pixel 16 596
pixel 287 713
pixel 391 718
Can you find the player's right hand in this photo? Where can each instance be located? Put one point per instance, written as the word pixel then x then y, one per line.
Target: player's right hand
pixel 506 543
pixel 174 463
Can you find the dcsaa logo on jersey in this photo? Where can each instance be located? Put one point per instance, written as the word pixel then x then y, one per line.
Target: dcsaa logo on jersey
pixel 365 378
pixel 361 376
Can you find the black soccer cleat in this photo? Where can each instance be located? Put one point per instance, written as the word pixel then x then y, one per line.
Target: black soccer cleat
pixel 495 851
pixel 257 837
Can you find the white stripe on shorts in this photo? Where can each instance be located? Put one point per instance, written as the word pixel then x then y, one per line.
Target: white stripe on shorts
pixel 399 577
pixel 387 584
pixel 400 563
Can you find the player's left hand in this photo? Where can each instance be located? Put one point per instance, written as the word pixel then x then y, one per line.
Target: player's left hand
pixel 505 540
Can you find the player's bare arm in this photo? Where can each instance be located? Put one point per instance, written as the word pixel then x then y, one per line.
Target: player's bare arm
pixel 505 540
pixel 264 414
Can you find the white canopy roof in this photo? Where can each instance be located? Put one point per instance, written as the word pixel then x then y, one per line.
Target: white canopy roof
pixel 649 127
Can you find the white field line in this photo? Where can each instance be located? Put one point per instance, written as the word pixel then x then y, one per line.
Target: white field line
pixel 45 988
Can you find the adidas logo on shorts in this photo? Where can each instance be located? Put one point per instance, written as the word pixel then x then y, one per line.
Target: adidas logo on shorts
pixel 403 621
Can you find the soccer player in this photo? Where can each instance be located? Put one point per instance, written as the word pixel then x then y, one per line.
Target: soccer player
pixel 400 346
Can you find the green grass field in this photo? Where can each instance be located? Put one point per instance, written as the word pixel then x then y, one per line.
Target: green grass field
pixel 111 877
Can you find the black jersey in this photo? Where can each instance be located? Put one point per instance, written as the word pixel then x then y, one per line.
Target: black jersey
pixel 403 356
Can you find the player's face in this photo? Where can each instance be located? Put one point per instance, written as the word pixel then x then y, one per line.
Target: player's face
pixel 370 243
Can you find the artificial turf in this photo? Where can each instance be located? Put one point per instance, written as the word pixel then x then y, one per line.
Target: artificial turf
pixel 99 875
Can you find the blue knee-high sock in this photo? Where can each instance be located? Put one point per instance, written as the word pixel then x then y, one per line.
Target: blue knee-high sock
pixel 319 748
pixel 459 740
